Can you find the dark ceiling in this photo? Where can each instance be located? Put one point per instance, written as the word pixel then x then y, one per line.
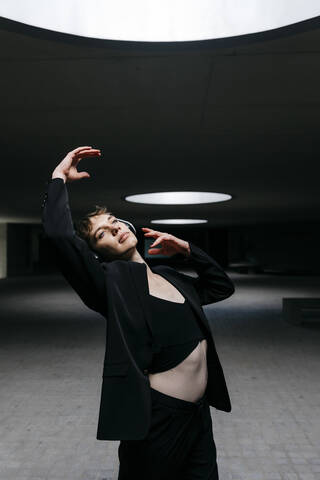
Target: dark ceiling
pixel 241 120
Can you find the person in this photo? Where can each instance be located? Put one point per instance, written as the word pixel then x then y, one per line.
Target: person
pixel 161 370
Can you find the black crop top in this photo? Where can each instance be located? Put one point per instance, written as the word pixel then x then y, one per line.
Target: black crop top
pixel 175 332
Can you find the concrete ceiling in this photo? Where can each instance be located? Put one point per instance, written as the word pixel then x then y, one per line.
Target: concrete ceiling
pixel 240 120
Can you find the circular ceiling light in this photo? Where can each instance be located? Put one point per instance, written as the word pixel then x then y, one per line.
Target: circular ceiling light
pixel 179 221
pixel 163 21
pixel 178 198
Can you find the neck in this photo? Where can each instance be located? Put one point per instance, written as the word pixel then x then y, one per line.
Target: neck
pixel 136 257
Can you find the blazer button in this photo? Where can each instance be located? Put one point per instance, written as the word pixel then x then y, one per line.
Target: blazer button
pixel 145 371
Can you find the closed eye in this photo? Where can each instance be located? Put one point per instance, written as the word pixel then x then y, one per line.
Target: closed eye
pixel 102 233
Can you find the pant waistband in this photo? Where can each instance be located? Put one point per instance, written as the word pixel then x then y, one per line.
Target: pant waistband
pixel 177 402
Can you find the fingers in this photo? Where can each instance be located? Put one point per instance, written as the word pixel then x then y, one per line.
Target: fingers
pixel 83 175
pixel 157 241
pixel 154 233
pixel 91 152
pixel 151 232
pixel 76 150
pixel 156 251
pixel 160 236
pixel 84 151
pixel 76 157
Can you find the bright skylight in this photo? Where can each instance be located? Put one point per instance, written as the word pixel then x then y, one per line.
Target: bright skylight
pixel 178 198
pixel 161 21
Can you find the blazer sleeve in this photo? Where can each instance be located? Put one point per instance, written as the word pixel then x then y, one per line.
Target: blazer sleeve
pixel 212 283
pixel 74 258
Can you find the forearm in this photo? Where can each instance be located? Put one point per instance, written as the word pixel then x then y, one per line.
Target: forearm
pixel 56 215
pixel 72 254
pixel 213 283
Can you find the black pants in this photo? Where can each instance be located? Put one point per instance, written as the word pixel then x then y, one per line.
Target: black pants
pixel 178 446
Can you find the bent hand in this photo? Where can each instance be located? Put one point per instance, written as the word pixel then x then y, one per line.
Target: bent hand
pixel 170 244
pixel 67 168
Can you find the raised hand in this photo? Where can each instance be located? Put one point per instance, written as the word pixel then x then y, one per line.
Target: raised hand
pixel 170 244
pixel 67 168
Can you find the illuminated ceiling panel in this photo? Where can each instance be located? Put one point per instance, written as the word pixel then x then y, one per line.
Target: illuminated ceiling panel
pixel 163 21
pixel 179 221
pixel 178 198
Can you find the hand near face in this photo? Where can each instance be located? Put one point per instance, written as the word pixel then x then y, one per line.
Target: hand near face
pixel 170 245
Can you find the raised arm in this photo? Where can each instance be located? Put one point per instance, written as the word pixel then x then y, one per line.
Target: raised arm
pixel 212 284
pixel 75 259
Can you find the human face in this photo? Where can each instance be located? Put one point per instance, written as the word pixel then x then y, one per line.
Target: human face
pixel 105 237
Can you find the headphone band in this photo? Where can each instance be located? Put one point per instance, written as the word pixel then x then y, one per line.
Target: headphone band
pixel 131 227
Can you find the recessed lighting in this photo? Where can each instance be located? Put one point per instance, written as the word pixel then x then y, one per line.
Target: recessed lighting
pixel 178 198
pixel 164 21
pixel 179 221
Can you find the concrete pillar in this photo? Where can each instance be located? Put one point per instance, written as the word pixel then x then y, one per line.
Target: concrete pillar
pixel 3 250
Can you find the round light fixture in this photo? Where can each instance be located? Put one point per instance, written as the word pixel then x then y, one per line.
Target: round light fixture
pixel 163 21
pixel 179 221
pixel 178 198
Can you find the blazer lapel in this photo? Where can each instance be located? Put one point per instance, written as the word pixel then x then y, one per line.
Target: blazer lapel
pixel 186 290
pixel 139 274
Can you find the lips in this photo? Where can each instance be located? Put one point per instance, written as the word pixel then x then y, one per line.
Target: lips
pixel 123 236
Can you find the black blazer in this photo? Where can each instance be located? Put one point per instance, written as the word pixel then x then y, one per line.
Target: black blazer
pixel 118 290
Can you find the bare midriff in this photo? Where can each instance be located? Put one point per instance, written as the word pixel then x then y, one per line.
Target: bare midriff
pixel 188 379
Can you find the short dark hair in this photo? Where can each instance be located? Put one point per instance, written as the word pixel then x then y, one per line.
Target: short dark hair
pixel 84 226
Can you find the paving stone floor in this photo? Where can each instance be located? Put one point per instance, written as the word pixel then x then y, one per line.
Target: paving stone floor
pixel 51 359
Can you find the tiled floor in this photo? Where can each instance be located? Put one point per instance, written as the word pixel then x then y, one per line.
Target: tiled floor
pixel 51 358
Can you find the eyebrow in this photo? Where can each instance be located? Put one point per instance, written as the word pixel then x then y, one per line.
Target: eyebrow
pixel 94 234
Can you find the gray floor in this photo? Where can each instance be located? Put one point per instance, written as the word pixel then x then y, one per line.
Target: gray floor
pixel 51 356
